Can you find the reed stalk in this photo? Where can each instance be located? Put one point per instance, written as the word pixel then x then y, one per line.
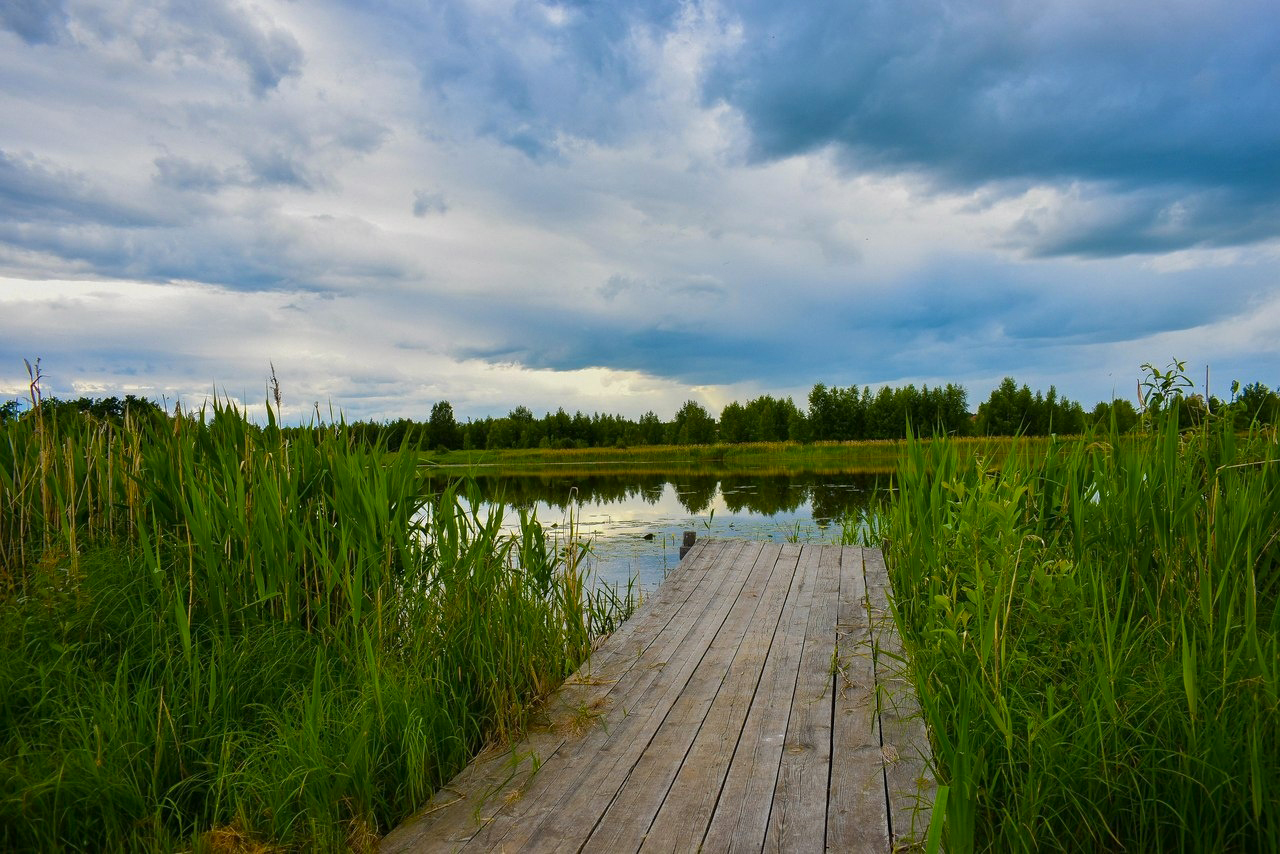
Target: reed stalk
pixel 212 633
pixel 1096 641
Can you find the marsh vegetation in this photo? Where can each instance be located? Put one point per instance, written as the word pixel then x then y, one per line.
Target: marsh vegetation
pixel 1095 635
pixel 220 634
pixel 215 636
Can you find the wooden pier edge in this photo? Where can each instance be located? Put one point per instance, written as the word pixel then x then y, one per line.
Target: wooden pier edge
pixel 910 784
pixel 758 700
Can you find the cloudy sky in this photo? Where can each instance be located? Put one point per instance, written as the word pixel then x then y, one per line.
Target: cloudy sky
pixel 620 206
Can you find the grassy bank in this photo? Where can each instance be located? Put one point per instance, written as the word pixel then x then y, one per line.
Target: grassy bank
pixel 213 637
pixel 1096 639
pixel 871 457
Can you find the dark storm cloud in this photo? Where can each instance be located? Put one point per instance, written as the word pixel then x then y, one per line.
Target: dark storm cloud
pixel 34 21
pixel 1155 103
pixel 970 298
pixel 268 168
pixel 526 73
pixel 696 355
pixel 277 168
pixel 64 214
pixel 263 253
pixel 165 229
pixel 269 55
pixel 1150 221
pixel 183 174
pixel 180 30
pixel 32 190
pixel 965 315
pixel 427 201
pixel 153 255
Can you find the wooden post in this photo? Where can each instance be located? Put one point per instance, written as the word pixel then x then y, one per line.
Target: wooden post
pixel 689 537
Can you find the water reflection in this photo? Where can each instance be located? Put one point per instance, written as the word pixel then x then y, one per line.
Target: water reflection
pixel 634 521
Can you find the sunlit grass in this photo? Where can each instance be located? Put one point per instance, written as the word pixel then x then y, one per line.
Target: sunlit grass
pixel 214 635
pixel 867 457
pixel 1094 631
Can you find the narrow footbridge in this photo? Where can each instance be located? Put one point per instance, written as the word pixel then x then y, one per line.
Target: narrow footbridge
pixel 755 702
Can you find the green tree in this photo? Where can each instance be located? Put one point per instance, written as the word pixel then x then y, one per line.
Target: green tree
pixel 442 428
pixel 651 429
pixel 1012 410
pixel 798 427
pixel 947 409
pixel 767 419
pixel 1256 402
pixel 1006 411
pixel 733 424
pixel 822 416
pixel 1125 415
pixel 887 416
pixel 693 425
pixel 839 414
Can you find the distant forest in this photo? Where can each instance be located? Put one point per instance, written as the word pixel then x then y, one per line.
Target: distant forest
pixel 833 414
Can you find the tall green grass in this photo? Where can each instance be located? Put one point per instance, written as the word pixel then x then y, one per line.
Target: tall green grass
pixel 1095 635
pixel 215 637
pixel 872 456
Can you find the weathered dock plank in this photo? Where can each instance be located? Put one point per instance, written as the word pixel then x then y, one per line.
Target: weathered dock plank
pixel 798 817
pixel 908 780
pixel 604 773
pixel 566 792
pixel 681 822
pixel 497 777
pixel 857 806
pixel 757 701
pixel 632 810
pixel 741 816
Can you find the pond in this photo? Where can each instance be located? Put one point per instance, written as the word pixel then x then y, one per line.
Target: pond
pixel 634 522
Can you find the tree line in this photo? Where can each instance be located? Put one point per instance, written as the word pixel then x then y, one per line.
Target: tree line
pixel 833 413
pixel 107 409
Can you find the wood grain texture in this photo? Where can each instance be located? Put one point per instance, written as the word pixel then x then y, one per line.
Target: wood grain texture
pixel 626 822
pixel 457 811
pixel 736 710
pixel 798 818
pixel 909 782
pixel 857 805
pixel 569 794
pixel 741 817
pixel 686 810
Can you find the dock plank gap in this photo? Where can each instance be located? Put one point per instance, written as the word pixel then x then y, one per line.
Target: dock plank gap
pixel 757 701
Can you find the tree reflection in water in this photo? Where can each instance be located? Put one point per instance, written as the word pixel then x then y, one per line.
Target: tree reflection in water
pixel 827 497
pixel 634 521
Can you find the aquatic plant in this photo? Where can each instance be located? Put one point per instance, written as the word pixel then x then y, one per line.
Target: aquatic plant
pixel 1095 635
pixel 213 633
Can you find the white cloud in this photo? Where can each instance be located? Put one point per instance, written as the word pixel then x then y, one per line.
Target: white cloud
pixel 527 203
pixel 184 342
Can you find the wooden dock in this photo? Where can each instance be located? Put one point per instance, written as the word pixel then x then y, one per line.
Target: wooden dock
pixel 753 703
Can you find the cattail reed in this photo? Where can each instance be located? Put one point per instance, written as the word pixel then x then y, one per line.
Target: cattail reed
pixel 1094 631
pixel 214 632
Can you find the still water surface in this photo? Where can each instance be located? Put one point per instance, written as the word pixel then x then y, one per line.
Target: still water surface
pixel 635 522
